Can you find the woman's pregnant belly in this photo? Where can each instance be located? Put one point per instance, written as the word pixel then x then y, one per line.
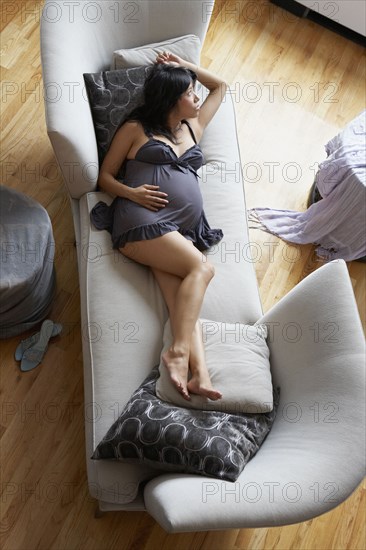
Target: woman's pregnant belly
pixel 185 200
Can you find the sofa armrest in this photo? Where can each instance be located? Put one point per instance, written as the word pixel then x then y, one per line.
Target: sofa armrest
pixel 317 355
pixel 315 331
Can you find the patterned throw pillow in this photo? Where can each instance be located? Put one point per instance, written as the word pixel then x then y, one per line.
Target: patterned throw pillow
pixel 112 96
pixel 176 439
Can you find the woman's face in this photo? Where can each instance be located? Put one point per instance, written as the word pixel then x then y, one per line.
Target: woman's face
pixel 188 103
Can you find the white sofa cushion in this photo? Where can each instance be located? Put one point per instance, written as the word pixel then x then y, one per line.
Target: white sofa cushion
pixel 237 358
pixel 188 47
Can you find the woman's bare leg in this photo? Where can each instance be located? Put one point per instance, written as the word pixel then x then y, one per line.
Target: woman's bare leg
pixel 172 253
pixel 200 382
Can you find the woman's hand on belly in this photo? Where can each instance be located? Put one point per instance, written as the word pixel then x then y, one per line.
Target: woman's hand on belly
pixel 149 197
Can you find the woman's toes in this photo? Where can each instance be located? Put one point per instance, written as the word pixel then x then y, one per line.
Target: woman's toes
pixel 182 390
pixel 215 395
pixel 194 386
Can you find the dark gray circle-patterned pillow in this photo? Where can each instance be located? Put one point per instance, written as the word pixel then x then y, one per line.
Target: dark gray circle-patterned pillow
pixel 112 97
pixel 209 443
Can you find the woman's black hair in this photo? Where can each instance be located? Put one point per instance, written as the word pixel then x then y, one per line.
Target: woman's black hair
pixel 163 87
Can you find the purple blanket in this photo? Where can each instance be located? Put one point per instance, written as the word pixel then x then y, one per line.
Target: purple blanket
pixel 336 223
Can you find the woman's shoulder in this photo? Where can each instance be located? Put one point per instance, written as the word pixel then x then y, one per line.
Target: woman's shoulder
pixel 195 127
pixel 132 129
pixel 132 126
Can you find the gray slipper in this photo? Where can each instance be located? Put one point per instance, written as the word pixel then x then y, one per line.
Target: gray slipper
pixel 29 342
pixel 33 356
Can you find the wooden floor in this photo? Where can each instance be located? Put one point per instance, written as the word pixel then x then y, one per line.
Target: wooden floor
pixel 295 85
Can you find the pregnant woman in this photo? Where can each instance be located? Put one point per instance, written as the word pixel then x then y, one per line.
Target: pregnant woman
pixel 157 216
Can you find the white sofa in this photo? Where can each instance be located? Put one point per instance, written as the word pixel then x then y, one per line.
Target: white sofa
pixel 313 457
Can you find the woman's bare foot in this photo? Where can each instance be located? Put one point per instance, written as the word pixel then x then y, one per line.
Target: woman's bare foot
pixel 177 364
pixel 203 387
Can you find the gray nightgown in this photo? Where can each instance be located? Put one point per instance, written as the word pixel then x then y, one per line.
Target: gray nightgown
pixel 156 163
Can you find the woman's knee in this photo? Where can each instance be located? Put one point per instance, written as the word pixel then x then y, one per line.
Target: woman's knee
pixel 207 271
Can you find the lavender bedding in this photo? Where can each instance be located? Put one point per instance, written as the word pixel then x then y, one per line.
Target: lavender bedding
pixel 336 223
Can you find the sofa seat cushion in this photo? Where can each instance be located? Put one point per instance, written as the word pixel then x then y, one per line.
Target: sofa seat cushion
pixel 210 443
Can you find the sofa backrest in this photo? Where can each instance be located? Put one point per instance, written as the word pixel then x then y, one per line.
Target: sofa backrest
pixel 80 37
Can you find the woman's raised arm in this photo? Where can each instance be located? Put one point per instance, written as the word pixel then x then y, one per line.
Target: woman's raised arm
pixel 216 86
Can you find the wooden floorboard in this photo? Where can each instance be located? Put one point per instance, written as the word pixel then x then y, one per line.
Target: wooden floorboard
pixel 295 84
